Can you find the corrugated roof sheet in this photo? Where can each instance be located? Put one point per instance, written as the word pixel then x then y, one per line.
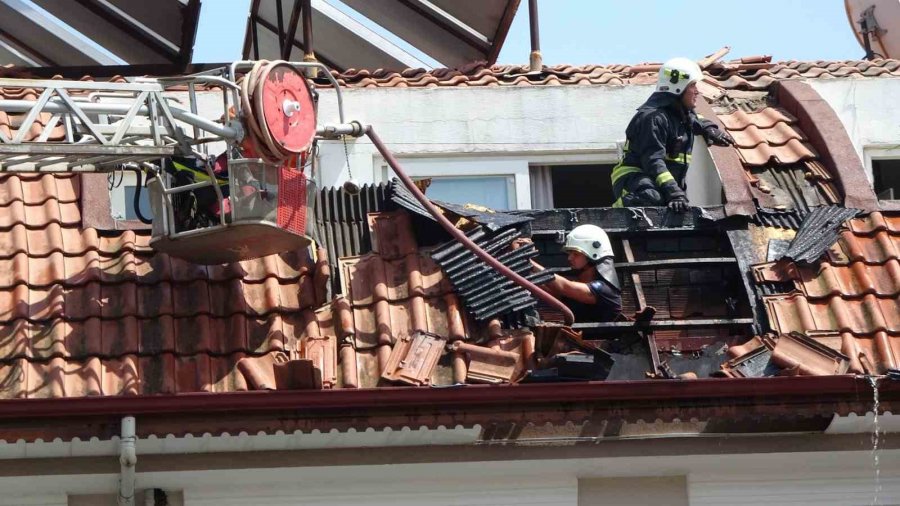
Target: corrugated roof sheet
pixel 818 231
pixel 487 293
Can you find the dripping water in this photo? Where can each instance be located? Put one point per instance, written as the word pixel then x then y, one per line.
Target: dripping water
pixel 876 437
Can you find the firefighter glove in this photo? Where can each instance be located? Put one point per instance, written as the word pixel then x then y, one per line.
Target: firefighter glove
pixel 714 135
pixel 679 204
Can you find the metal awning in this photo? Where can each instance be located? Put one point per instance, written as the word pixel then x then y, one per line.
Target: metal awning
pixel 85 33
pixel 452 32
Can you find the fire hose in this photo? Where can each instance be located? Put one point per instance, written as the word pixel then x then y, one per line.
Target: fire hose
pixel 275 98
pixel 289 101
pixel 461 237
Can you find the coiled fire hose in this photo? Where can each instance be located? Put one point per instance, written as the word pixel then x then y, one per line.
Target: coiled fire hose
pixel 277 105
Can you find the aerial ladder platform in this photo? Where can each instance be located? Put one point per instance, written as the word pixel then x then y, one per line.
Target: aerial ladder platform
pixel 266 129
pixel 267 125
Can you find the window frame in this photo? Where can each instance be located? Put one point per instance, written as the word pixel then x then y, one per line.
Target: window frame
pixel 519 196
pixel 875 152
pixel 463 165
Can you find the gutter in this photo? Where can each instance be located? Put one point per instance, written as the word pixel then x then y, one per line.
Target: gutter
pixel 705 392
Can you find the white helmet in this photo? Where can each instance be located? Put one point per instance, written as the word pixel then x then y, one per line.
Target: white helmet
pixel 676 74
pixel 591 241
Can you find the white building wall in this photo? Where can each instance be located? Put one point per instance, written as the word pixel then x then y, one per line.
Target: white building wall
pixel 604 477
pixel 870 112
pixel 470 128
pixel 454 131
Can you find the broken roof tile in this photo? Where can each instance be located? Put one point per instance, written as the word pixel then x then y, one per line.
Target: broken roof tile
pixel 855 291
pixel 810 358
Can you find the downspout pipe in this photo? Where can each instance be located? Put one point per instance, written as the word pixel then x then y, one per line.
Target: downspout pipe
pixel 459 236
pixel 127 462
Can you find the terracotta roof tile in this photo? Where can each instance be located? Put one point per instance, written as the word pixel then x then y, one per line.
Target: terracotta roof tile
pixel 876 248
pixel 855 293
pixel 730 75
pixel 876 222
pixel 766 118
pixel 862 317
pixel 769 139
pixel 127 375
pixel 791 152
pixel 393 294
pixel 83 313
pixel 779 134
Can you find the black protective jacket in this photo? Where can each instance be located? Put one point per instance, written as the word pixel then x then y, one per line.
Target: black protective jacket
pixel 660 138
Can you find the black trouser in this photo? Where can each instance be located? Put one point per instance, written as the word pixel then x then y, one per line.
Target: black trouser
pixel 641 192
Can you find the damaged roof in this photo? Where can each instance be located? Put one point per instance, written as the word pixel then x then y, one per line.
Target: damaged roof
pixel 850 301
pixel 85 313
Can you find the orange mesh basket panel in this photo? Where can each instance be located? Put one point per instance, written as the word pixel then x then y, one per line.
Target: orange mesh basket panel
pixel 292 199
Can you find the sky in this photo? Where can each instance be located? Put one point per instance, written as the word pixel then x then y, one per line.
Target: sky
pixel 616 31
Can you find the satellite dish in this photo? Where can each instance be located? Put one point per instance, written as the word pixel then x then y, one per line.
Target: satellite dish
pixel 876 24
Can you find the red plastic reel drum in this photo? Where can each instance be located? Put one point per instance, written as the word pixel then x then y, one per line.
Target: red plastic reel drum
pixel 287 108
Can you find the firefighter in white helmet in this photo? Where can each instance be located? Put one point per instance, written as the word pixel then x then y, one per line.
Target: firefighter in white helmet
pixel 594 293
pixel 659 140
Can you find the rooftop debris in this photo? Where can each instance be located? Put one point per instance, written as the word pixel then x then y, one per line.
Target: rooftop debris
pixel 465 216
pixel 819 230
pixel 793 354
pixel 98 313
pixel 485 292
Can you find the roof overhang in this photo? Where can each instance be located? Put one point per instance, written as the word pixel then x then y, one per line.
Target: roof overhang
pixel 94 33
pixel 452 32
pixel 789 404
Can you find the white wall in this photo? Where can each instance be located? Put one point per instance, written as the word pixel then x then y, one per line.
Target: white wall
pixel 870 112
pixel 661 490
pixel 540 125
pixel 688 477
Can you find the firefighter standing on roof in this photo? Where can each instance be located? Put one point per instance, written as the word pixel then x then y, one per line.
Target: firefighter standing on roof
pixel 659 140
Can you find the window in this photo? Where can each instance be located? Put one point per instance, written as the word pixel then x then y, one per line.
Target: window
pixel 563 186
pixel 495 192
pixel 500 184
pixel 886 179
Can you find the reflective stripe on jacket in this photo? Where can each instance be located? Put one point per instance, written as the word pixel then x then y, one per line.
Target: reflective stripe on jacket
pixel 659 141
